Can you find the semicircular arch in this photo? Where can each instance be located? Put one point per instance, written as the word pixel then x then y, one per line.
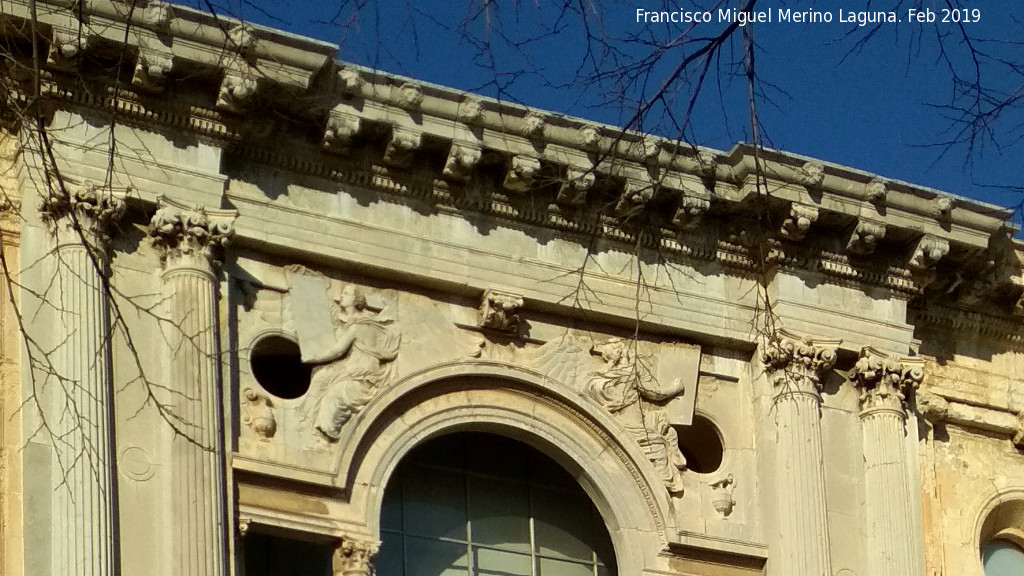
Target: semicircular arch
pixel 522 404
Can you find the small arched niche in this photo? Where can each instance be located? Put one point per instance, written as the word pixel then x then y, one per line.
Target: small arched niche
pixel 1002 539
pixel 484 504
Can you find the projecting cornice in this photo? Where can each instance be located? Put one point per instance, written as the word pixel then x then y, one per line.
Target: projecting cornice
pixel 284 100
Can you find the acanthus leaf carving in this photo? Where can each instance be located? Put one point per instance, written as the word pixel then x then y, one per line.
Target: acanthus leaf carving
pixel 354 558
pixel 152 69
pixel 628 389
pixel 521 173
pixel 191 234
pixel 499 311
pixel 237 91
pixel 84 208
pixel 634 198
pixel 883 382
pixel 796 364
pixel 67 47
pixel 927 252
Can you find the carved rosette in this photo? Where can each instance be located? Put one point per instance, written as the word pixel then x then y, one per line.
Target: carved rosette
pixel 883 382
pixel 354 558
pixel 192 238
pixel 82 213
pixel 798 364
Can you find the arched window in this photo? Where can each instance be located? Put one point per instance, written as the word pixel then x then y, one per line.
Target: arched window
pixel 476 504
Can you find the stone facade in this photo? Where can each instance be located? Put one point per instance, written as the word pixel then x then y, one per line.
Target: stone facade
pixel 293 270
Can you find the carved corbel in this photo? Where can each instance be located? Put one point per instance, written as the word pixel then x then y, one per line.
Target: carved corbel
pixel 462 160
pixel 67 47
pixel 876 191
pixel 521 173
pixel 799 221
pixel 499 311
pixel 927 252
pixel 151 70
pixel 576 186
pixel 350 82
pixel 691 210
pixel 354 558
pixel 883 382
pixel 634 198
pixel 534 125
pixel 341 129
pixel 796 364
pixel 812 174
pixel 865 236
pixel 401 147
pixel 237 91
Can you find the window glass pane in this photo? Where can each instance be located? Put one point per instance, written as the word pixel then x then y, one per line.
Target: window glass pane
pixel 499 513
pixel 549 567
pixel 1003 558
pixel 497 456
pixel 391 509
pixel 491 562
pixel 434 503
pixel 562 522
pixel 434 558
pixel 389 559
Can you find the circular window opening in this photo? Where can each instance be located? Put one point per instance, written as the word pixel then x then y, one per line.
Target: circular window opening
pixel 1002 558
pixel 277 365
pixel 701 444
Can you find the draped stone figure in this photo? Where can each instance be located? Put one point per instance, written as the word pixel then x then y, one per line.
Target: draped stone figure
pixel 350 371
pixel 627 388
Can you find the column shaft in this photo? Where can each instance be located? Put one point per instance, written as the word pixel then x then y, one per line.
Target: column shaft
pixel 198 500
pixel 82 541
pixel 801 486
pixel 889 515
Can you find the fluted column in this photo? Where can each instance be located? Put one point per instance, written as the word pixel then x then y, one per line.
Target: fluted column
pixel 83 533
pixel 882 382
pixel 795 368
pixel 192 241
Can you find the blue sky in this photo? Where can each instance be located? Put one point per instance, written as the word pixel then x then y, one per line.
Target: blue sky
pixel 872 109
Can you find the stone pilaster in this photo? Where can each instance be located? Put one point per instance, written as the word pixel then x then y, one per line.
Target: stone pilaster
pixel 795 368
pixel 192 241
pixel 882 382
pixel 83 536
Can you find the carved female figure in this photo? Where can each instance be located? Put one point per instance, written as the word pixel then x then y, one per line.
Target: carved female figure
pixel 349 373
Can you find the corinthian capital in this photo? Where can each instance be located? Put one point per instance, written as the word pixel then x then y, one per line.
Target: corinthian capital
pixel 353 558
pixel 195 236
pixel 84 210
pixel 797 364
pixel 883 381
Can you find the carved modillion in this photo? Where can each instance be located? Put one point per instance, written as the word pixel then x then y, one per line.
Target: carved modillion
pixel 634 198
pixel 864 238
pixel 462 160
pixel 798 223
pixel 521 173
pixel 152 69
pixel 237 91
pixel 691 210
pixel 578 183
pixel 927 252
pixel 341 129
pixel 402 147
